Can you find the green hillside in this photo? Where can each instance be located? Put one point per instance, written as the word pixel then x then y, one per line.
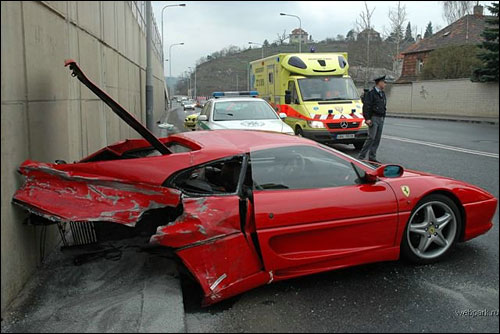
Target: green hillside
pixel 230 72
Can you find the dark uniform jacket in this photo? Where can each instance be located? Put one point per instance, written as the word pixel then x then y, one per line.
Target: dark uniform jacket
pixel 374 104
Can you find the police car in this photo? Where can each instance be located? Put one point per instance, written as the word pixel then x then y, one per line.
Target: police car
pixel 242 111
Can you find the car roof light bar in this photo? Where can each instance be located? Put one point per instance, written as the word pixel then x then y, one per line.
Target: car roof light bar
pixel 251 93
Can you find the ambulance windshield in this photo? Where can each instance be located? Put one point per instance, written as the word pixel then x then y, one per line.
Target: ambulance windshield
pixel 327 88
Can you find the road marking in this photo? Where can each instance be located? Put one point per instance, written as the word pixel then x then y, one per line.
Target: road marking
pixel 408 125
pixel 445 147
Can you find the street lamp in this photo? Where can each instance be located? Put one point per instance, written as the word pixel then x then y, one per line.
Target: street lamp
pixel 170 57
pixel 195 93
pixel 162 31
pixel 300 28
pixel 262 47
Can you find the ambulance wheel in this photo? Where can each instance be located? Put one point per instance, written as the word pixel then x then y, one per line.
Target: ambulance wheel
pixel 359 145
pixel 298 131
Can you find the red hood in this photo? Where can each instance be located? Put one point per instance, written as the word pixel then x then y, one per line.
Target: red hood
pixel 422 183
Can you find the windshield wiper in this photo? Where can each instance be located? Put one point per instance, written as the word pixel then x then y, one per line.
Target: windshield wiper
pixel 313 99
pixel 273 186
pixel 338 99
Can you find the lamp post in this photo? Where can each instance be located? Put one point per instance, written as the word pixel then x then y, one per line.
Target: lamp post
pixel 262 48
pixel 195 93
pixel 300 28
pixel 162 31
pixel 149 66
pixel 170 58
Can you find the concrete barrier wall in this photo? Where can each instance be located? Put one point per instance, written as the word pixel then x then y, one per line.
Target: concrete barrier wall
pixel 459 97
pixel 48 115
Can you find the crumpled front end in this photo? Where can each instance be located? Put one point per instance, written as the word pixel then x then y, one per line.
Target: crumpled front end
pixel 63 195
pixel 213 237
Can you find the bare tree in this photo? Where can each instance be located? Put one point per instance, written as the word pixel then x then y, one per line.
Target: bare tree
pixel 454 10
pixel 281 38
pixel 364 25
pixel 397 19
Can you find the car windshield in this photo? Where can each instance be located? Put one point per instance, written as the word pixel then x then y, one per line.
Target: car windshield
pixel 364 163
pixel 327 88
pixel 243 110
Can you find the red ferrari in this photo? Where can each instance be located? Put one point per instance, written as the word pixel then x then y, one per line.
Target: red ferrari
pixel 246 208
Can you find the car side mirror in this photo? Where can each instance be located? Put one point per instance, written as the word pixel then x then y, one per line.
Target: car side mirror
pixel 288 97
pixel 392 171
pixel 389 171
pixel 203 118
pixel 282 115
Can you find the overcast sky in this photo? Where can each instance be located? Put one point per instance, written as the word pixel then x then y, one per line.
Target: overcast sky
pixel 208 26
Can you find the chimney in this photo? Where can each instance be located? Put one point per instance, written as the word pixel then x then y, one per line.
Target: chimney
pixel 478 10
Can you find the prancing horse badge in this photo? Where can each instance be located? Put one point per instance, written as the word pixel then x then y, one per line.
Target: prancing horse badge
pixel 405 190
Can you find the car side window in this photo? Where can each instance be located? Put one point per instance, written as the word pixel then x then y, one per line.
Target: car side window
pixel 206 109
pixel 299 167
pixel 293 90
pixel 214 178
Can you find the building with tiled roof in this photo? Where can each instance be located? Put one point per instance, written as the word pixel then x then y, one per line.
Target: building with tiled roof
pixel 466 30
pixel 298 34
pixel 374 35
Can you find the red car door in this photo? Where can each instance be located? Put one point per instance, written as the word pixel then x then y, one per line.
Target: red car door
pixel 311 215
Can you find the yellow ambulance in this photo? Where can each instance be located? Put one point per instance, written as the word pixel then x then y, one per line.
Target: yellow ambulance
pixel 316 93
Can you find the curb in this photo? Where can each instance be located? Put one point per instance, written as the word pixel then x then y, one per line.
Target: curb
pixel 444 118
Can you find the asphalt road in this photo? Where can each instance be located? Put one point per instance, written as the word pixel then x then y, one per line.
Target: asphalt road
pixel 392 296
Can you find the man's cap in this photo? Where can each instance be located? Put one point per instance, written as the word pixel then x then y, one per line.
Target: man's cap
pixel 379 78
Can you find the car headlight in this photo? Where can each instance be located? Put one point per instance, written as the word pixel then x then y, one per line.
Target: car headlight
pixel 316 124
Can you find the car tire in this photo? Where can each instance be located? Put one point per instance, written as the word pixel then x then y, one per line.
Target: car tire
pixel 443 238
pixel 298 131
pixel 359 145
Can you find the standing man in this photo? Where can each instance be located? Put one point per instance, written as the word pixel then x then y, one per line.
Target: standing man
pixel 374 107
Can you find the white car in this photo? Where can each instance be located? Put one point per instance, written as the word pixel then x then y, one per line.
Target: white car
pixel 241 112
pixel 189 104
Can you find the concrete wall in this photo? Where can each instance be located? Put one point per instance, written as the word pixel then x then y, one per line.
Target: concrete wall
pixel 459 97
pixel 48 115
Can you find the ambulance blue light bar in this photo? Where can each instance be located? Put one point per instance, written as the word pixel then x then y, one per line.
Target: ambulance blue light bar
pixel 251 93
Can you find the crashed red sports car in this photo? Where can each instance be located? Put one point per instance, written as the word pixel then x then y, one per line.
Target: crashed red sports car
pixel 246 208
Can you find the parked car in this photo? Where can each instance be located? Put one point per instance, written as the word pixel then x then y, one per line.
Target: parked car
pixel 240 110
pixel 242 209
